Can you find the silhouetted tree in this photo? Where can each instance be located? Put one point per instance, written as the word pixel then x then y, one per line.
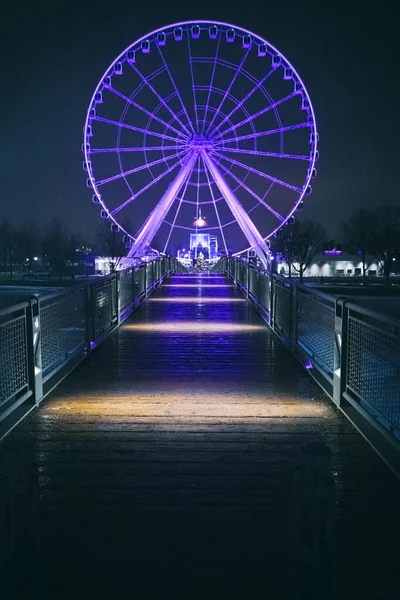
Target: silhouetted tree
pixel 359 236
pixel 110 244
pixel 283 244
pixel 299 243
pixel 28 239
pixel 7 245
pixel 55 246
pixel 386 237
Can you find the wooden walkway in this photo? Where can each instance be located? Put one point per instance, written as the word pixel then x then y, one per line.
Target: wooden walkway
pixel 166 462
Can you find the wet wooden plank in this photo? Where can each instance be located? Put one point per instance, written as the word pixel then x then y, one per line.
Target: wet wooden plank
pixel 177 439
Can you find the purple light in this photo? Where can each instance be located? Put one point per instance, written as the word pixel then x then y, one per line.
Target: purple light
pixel 257 114
pixel 146 187
pixel 257 172
pixel 334 252
pixel 205 132
pixel 308 365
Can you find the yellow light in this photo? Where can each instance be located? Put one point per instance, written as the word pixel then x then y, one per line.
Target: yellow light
pixel 159 406
pixel 196 299
pixel 193 327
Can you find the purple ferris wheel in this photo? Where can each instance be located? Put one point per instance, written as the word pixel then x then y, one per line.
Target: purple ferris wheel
pixel 200 124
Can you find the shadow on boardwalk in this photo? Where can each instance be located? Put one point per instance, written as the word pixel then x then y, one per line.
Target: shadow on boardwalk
pixel 164 467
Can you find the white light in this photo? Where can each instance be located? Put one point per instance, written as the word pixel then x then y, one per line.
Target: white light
pixel 35 258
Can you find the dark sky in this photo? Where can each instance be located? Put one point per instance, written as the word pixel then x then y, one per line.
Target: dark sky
pixel 54 54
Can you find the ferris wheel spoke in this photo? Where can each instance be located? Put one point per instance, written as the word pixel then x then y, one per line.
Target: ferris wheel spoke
pixel 134 149
pixel 176 215
pixel 251 192
pixel 240 104
pixel 137 129
pixel 227 92
pixel 150 114
pixel 243 220
pixel 193 86
pixel 211 84
pixel 262 153
pixel 145 188
pixel 175 88
pixel 137 169
pixel 158 214
pixel 263 133
pixel 256 115
pixel 260 173
pixel 147 82
pixel 215 208
pixel 198 190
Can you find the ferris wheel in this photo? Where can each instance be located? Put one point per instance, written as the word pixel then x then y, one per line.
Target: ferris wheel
pixel 200 125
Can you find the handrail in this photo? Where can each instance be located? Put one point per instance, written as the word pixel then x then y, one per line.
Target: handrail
pixel 46 336
pixel 353 352
pixel 373 314
pixel 13 308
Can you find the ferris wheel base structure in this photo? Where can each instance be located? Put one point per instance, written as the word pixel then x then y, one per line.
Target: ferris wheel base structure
pixel 200 119
pixel 156 218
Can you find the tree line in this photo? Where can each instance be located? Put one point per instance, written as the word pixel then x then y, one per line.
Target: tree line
pixel 373 234
pixel 53 246
pixel 370 233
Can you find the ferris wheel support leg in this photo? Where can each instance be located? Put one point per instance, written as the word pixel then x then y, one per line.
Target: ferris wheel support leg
pixel 251 232
pixel 158 214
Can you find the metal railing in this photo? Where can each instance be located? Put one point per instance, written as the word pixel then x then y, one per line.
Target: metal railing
pixel 44 337
pixel 353 352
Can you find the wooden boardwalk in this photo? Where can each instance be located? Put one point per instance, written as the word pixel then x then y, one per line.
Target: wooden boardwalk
pixel 166 462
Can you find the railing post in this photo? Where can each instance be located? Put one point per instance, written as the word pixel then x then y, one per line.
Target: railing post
pixel 145 279
pixel 340 351
pixel 133 287
pixel 248 281
pixel 270 290
pixel 273 303
pixel 89 322
pixel 34 350
pixel 118 296
pixel 293 317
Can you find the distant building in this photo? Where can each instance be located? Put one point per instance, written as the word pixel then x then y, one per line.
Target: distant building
pixel 333 263
pixel 204 243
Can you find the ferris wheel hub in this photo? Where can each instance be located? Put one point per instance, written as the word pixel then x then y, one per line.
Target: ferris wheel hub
pixel 201 143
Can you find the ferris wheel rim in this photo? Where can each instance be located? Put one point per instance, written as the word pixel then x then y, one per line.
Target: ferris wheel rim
pixel 312 119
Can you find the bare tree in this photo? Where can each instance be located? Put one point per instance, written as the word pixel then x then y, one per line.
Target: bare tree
pixel 28 243
pixel 55 246
pixel 387 237
pixel 299 243
pixel 110 244
pixel 7 245
pixel 283 245
pixel 359 235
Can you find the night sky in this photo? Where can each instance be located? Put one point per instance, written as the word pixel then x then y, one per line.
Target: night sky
pixel 54 54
